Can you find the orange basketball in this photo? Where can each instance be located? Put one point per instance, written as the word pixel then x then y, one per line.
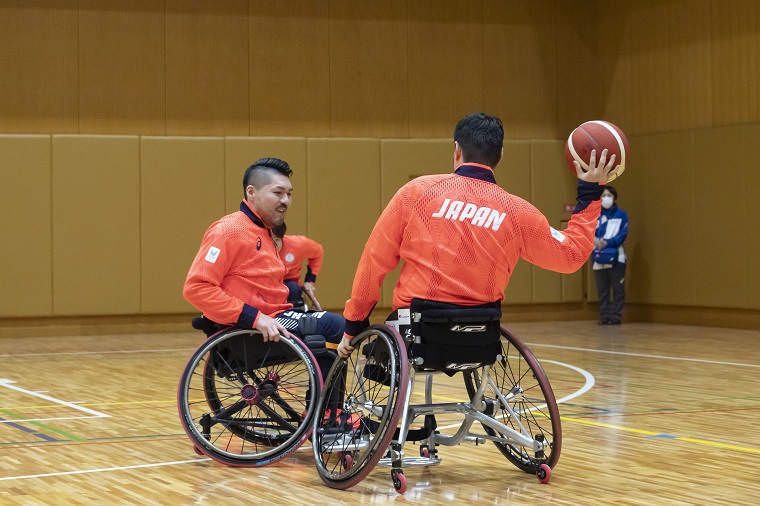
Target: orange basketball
pixel 598 135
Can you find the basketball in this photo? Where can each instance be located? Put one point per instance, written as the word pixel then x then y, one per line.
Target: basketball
pixel 598 135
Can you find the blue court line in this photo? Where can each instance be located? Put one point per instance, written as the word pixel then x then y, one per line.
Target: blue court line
pixel 29 431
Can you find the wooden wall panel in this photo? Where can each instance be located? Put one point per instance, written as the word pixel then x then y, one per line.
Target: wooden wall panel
pixel 38 58
pixel 96 225
pixel 241 152
pixel 207 66
pixel 182 193
pixel 578 69
pixel 26 279
pixel 289 55
pixel 121 67
pixel 651 107
pixel 718 263
pixel 520 65
pixel 344 203
pixel 446 73
pixel 615 75
pixel 368 69
pixel 633 198
pixel 669 220
pixel 552 186
pixel 402 161
pixel 735 45
pixel 749 215
pixel 513 174
pixel 689 55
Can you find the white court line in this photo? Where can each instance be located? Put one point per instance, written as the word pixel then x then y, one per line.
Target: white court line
pixel 85 471
pixel 588 385
pixel 7 384
pixel 644 355
pixel 105 352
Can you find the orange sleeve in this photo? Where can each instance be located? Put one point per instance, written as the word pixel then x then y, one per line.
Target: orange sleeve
pixel 561 251
pixel 314 253
pixel 380 256
pixel 203 284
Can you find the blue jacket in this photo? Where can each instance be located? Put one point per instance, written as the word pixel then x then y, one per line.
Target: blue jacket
pixel 613 227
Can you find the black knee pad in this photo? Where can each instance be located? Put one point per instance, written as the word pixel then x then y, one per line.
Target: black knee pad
pixel 307 325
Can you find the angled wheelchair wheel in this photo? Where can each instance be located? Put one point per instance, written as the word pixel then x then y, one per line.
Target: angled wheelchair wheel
pixel 360 407
pixel 519 380
pixel 246 402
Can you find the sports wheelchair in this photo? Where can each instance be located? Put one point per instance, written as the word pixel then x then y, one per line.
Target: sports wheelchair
pixel 247 402
pixel 364 415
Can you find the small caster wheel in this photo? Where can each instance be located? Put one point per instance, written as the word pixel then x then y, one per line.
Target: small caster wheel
pixel 544 473
pixel 197 450
pixel 347 461
pixel 399 481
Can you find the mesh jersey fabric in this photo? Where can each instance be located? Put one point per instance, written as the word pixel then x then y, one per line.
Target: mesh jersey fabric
pixel 296 249
pixel 244 271
pixel 460 239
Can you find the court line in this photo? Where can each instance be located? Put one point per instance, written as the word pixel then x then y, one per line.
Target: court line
pixel 7 383
pixel 101 470
pixel 649 433
pixel 644 355
pixel 105 352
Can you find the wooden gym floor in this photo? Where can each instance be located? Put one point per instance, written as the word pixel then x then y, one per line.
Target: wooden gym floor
pixel 651 414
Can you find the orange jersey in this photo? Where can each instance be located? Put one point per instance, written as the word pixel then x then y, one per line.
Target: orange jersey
pixel 237 272
pixel 296 249
pixel 460 237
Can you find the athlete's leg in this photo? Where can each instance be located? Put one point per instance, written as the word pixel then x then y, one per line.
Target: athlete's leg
pixel 603 291
pixel 328 325
pixel 617 280
pixel 295 291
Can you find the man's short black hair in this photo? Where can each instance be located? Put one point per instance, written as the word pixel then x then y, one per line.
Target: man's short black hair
pixel 612 190
pixel 279 230
pixel 481 138
pixel 262 167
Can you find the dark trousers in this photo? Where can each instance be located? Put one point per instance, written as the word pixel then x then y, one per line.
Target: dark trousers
pixel 294 297
pixel 328 325
pixel 611 280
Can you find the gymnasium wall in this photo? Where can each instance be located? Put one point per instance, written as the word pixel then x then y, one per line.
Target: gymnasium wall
pixel 125 126
pixel 305 68
pixel 108 225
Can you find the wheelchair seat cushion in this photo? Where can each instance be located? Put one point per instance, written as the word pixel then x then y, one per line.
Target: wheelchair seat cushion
pixel 451 337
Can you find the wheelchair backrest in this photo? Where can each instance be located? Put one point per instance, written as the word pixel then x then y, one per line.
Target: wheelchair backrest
pixel 451 337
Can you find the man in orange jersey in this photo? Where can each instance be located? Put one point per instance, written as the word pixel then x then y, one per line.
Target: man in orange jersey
pixel 460 235
pixel 293 250
pixel 237 277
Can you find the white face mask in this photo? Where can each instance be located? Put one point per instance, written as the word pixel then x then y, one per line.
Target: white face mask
pixel 606 202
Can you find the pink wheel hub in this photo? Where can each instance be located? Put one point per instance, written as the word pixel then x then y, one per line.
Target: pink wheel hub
pixel 250 394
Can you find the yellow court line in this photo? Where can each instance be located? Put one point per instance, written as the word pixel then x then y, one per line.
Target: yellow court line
pixel 650 433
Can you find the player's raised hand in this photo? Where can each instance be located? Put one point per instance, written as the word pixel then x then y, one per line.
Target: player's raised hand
pixel 597 172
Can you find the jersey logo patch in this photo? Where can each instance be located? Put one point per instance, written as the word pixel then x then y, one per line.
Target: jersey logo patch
pixel 478 216
pixel 213 254
pixel 558 235
pixel 290 257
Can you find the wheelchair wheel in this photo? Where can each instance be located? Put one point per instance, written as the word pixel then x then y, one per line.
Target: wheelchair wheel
pixel 360 407
pixel 521 380
pixel 246 402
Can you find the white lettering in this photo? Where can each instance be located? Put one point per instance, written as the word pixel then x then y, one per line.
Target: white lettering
pixel 454 209
pixel 468 212
pixel 443 208
pixel 495 218
pixel 480 216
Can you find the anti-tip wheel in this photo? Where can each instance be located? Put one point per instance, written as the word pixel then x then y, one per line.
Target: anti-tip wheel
pixel 399 482
pixel 544 473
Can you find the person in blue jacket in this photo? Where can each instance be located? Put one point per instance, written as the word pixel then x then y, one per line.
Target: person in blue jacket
pixel 609 258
